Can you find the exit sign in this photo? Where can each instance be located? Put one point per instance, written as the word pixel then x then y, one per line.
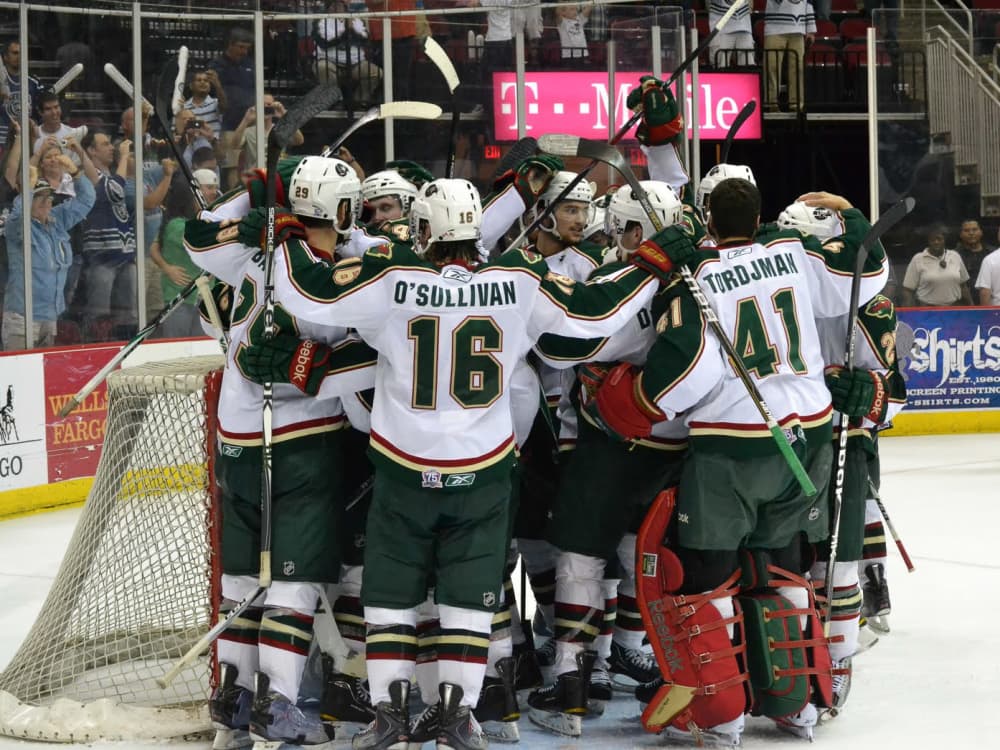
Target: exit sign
pixel 491 152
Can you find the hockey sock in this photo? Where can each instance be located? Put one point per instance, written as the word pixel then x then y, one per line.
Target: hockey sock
pixel 874 550
pixel 579 607
pixel 501 640
pixel 390 648
pixel 285 638
pixel 609 587
pixel 347 610
pixel 846 618
pixel 428 632
pixel 463 649
pixel 238 643
pixel 629 630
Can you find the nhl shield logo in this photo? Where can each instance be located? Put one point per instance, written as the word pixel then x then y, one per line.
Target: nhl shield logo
pixel 431 479
pixel 489 599
pixel 288 567
pixel 813 513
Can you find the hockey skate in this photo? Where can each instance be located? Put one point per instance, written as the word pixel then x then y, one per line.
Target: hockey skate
pixel 390 729
pixel 876 605
pixel 646 691
pixel 528 675
pixel 497 711
pixel 800 724
pixel 866 636
pixel 425 727
pixel 729 734
pixel 274 718
pixel 630 667
pixel 345 701
pixel 229 708
pixel 599 692
pixel 561 706
pixel 458 728
pixel 841 688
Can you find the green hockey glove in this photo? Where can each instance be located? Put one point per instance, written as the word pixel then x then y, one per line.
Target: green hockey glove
pixel 286 359
pixel 530 178
pixel 252 230
pixel 257 184
pixel 858 393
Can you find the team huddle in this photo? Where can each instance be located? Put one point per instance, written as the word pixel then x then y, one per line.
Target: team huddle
pixel 443 405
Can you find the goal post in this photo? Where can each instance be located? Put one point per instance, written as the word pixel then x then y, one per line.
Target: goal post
pixel 138 581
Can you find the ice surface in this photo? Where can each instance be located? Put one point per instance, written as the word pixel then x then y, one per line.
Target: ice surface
pixel 933 682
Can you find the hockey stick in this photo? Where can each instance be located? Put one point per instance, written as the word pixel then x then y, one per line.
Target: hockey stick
pixel 567 145
pixel 892 528
pixel 439 57
pixel 122 82
pixel 742 117
pixel 683 67
pixel 523 149
pixel 407 110
pixel 177 94
pixel 885 222
pixel 67 78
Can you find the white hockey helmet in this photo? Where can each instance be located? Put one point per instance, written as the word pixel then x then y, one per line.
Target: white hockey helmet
pixel 598 217
pixel 392 183
pixel 452 210
pixel 717 174
pixel 625 208
pixel 320 185
pixel 815 220
pixel 582 192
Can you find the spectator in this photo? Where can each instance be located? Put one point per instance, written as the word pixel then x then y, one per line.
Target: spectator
pixel 936 276
pixel 404 44
pixel 11 92
pixel 341 56
pixel 51 258
pixel 52 126
pixel 988 280
pixel 973 250
pixel 734 44
pixel 192 135
pixel 208 181
pixel 247 134
pixel 207 108
pixel 204 159
pixel 107 292
pixel 170 257
pixel 787 28
pixel 570 20
pixel 235 73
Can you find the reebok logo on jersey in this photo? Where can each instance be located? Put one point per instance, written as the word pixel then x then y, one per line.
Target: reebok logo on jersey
pixel 232 451
pixel 454 273
pixel 738 252
pixel 460 480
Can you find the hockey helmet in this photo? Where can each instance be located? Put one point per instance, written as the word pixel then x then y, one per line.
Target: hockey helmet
pixel 451 208
pixel 320 185
pixel 818 221
pixel 715 175
pixel 624 207
pixel 389 182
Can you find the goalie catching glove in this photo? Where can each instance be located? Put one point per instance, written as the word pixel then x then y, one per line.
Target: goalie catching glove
pixel 617 404
pixel 661 118
pixel 858 393
pixel 664 251
pixel 286 359
pixel 530 178
pixel 253 228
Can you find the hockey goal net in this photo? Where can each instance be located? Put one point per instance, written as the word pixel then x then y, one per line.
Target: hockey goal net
pixel 137 583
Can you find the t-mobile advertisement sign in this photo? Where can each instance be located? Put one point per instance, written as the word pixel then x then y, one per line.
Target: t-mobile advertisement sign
pixel 579 103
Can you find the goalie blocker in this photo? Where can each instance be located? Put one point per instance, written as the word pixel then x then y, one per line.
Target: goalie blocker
pixel 753 643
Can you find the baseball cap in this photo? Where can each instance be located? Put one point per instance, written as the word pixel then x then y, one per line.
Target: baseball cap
pixel 42 187
pixel 206 177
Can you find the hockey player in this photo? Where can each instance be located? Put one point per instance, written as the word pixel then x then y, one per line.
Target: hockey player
pixel 387 195
pixel 263 655
pixel 871 394
pixel 605 488
pixel 448 335
pixel 736 490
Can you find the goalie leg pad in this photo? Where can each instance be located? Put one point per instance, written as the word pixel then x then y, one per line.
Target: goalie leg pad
pixel 703 671
pixel 788 655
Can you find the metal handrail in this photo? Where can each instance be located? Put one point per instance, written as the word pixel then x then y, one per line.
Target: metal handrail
pixel 966 32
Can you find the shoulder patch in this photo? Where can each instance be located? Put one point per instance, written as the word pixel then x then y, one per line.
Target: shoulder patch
pixel 346 271
pixel 382 250
pixel 565 283
pixel 833 246
pixel 888 344
pixel 529 255
pixel 228 233
pixel 879 307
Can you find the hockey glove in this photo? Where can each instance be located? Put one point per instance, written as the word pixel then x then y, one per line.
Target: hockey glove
pixel 410 170
pixel 591 375
pixel 286 359
pixel 530 177
pixel 257 184
pixel 858 393
pixel 617 407
pixel 222 295
pixel 252 230
pixel 661 118
pixel 664 251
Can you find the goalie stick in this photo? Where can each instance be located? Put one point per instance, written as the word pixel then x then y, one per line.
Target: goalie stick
pixel 885 222
pixel 440 58
pixel 317 100
pixel 742 117
pixel 569 145
pixel 892 528
pixel 404 109
pixel 67 78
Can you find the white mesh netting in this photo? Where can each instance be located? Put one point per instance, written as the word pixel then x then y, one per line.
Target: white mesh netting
pixel 134 590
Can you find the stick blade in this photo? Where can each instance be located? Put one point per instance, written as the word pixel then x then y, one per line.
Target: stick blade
pixel 560 144
pixel 435 52
pixel 572 145
pixel 523 149
pixel 318 99
pixel 409 110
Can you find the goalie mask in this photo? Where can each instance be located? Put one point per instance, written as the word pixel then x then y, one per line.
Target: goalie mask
pixel 624 209
pixel 715 175
pixel 451 209
pixel 320 186
pixel 818 221
pixel 389 183
pixel 582 192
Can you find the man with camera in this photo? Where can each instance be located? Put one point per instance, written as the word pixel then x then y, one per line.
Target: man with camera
pixel 52 126
pixel 192 134
pixel 246 133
